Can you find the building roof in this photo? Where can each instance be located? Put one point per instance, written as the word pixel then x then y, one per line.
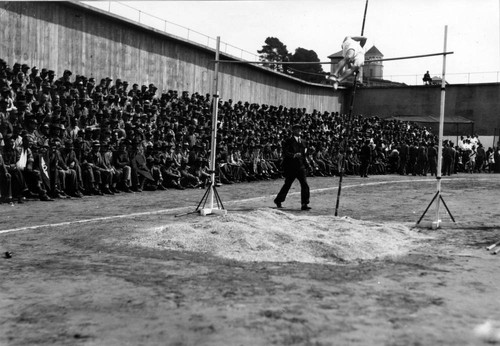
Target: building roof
pixel 336 55
pixel 374 51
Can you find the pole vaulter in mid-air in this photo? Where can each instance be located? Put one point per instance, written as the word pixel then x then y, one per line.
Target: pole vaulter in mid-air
pixel 353 53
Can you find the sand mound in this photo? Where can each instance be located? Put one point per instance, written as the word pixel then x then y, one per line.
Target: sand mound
pixel 276 236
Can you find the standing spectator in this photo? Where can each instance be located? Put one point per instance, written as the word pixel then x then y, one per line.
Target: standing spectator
pixel 394 160
pixel 432 156
pixel 412 158
pixel 421 168
pixel 471 167
pixel 404 152
pixel 490 153
pixel 480 158
pixel 448 154
pixel 294 167
pixel 365 156
pixel 496 157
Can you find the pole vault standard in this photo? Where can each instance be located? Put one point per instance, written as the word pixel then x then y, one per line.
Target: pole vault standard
pixel 211 193
pixel 437 197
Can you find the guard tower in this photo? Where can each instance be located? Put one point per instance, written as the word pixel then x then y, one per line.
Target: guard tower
pixel 373 69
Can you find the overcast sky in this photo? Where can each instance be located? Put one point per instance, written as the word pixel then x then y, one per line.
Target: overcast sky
pixel 397 28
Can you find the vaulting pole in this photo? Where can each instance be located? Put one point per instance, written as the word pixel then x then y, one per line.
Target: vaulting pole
pixel 348 125
pixel 364 18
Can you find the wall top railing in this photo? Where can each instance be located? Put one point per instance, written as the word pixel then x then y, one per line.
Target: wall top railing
pixel 451 78
pixel 134 14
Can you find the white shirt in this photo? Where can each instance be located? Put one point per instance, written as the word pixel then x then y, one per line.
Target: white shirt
pixel 349 43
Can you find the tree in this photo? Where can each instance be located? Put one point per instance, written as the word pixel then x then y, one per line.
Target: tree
pixel 309 72
pixel 274 51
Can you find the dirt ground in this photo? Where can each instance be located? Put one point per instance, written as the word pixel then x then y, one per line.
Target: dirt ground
pixel 74 279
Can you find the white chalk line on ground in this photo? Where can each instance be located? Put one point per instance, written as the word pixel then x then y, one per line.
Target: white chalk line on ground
pixel 162 211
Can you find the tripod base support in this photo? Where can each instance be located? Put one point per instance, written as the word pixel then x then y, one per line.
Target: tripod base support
pixel 436 224
pixel 215 211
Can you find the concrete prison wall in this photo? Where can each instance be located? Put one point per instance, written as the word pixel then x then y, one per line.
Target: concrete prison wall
pixel 90 42
pixel 477 102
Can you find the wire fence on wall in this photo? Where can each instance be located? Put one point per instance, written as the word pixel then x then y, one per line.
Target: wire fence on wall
pixel 131 13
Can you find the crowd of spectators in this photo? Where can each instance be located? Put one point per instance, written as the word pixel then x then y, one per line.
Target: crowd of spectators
pixel 74 136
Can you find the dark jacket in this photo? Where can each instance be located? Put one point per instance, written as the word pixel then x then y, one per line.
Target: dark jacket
pixel 291 163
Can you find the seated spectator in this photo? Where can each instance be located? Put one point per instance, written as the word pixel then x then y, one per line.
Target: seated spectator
pixel 121 164
pixel 34 172
pixel 140 172
pixel 5 178
pixel 70 159
pixel 171 175
pixel 63 178
pixel 427 78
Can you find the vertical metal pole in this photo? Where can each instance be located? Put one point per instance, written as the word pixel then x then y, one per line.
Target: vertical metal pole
pixel 441 125
pixel 215 100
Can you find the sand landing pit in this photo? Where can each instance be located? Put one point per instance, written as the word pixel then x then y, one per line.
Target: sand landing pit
pixel 270 235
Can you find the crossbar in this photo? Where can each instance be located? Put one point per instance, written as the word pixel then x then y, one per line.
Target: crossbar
pixel 325 62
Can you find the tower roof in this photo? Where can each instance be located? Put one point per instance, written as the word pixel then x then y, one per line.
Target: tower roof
pixel 374 52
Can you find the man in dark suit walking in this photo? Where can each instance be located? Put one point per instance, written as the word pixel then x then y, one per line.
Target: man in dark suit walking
pixel 294 167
